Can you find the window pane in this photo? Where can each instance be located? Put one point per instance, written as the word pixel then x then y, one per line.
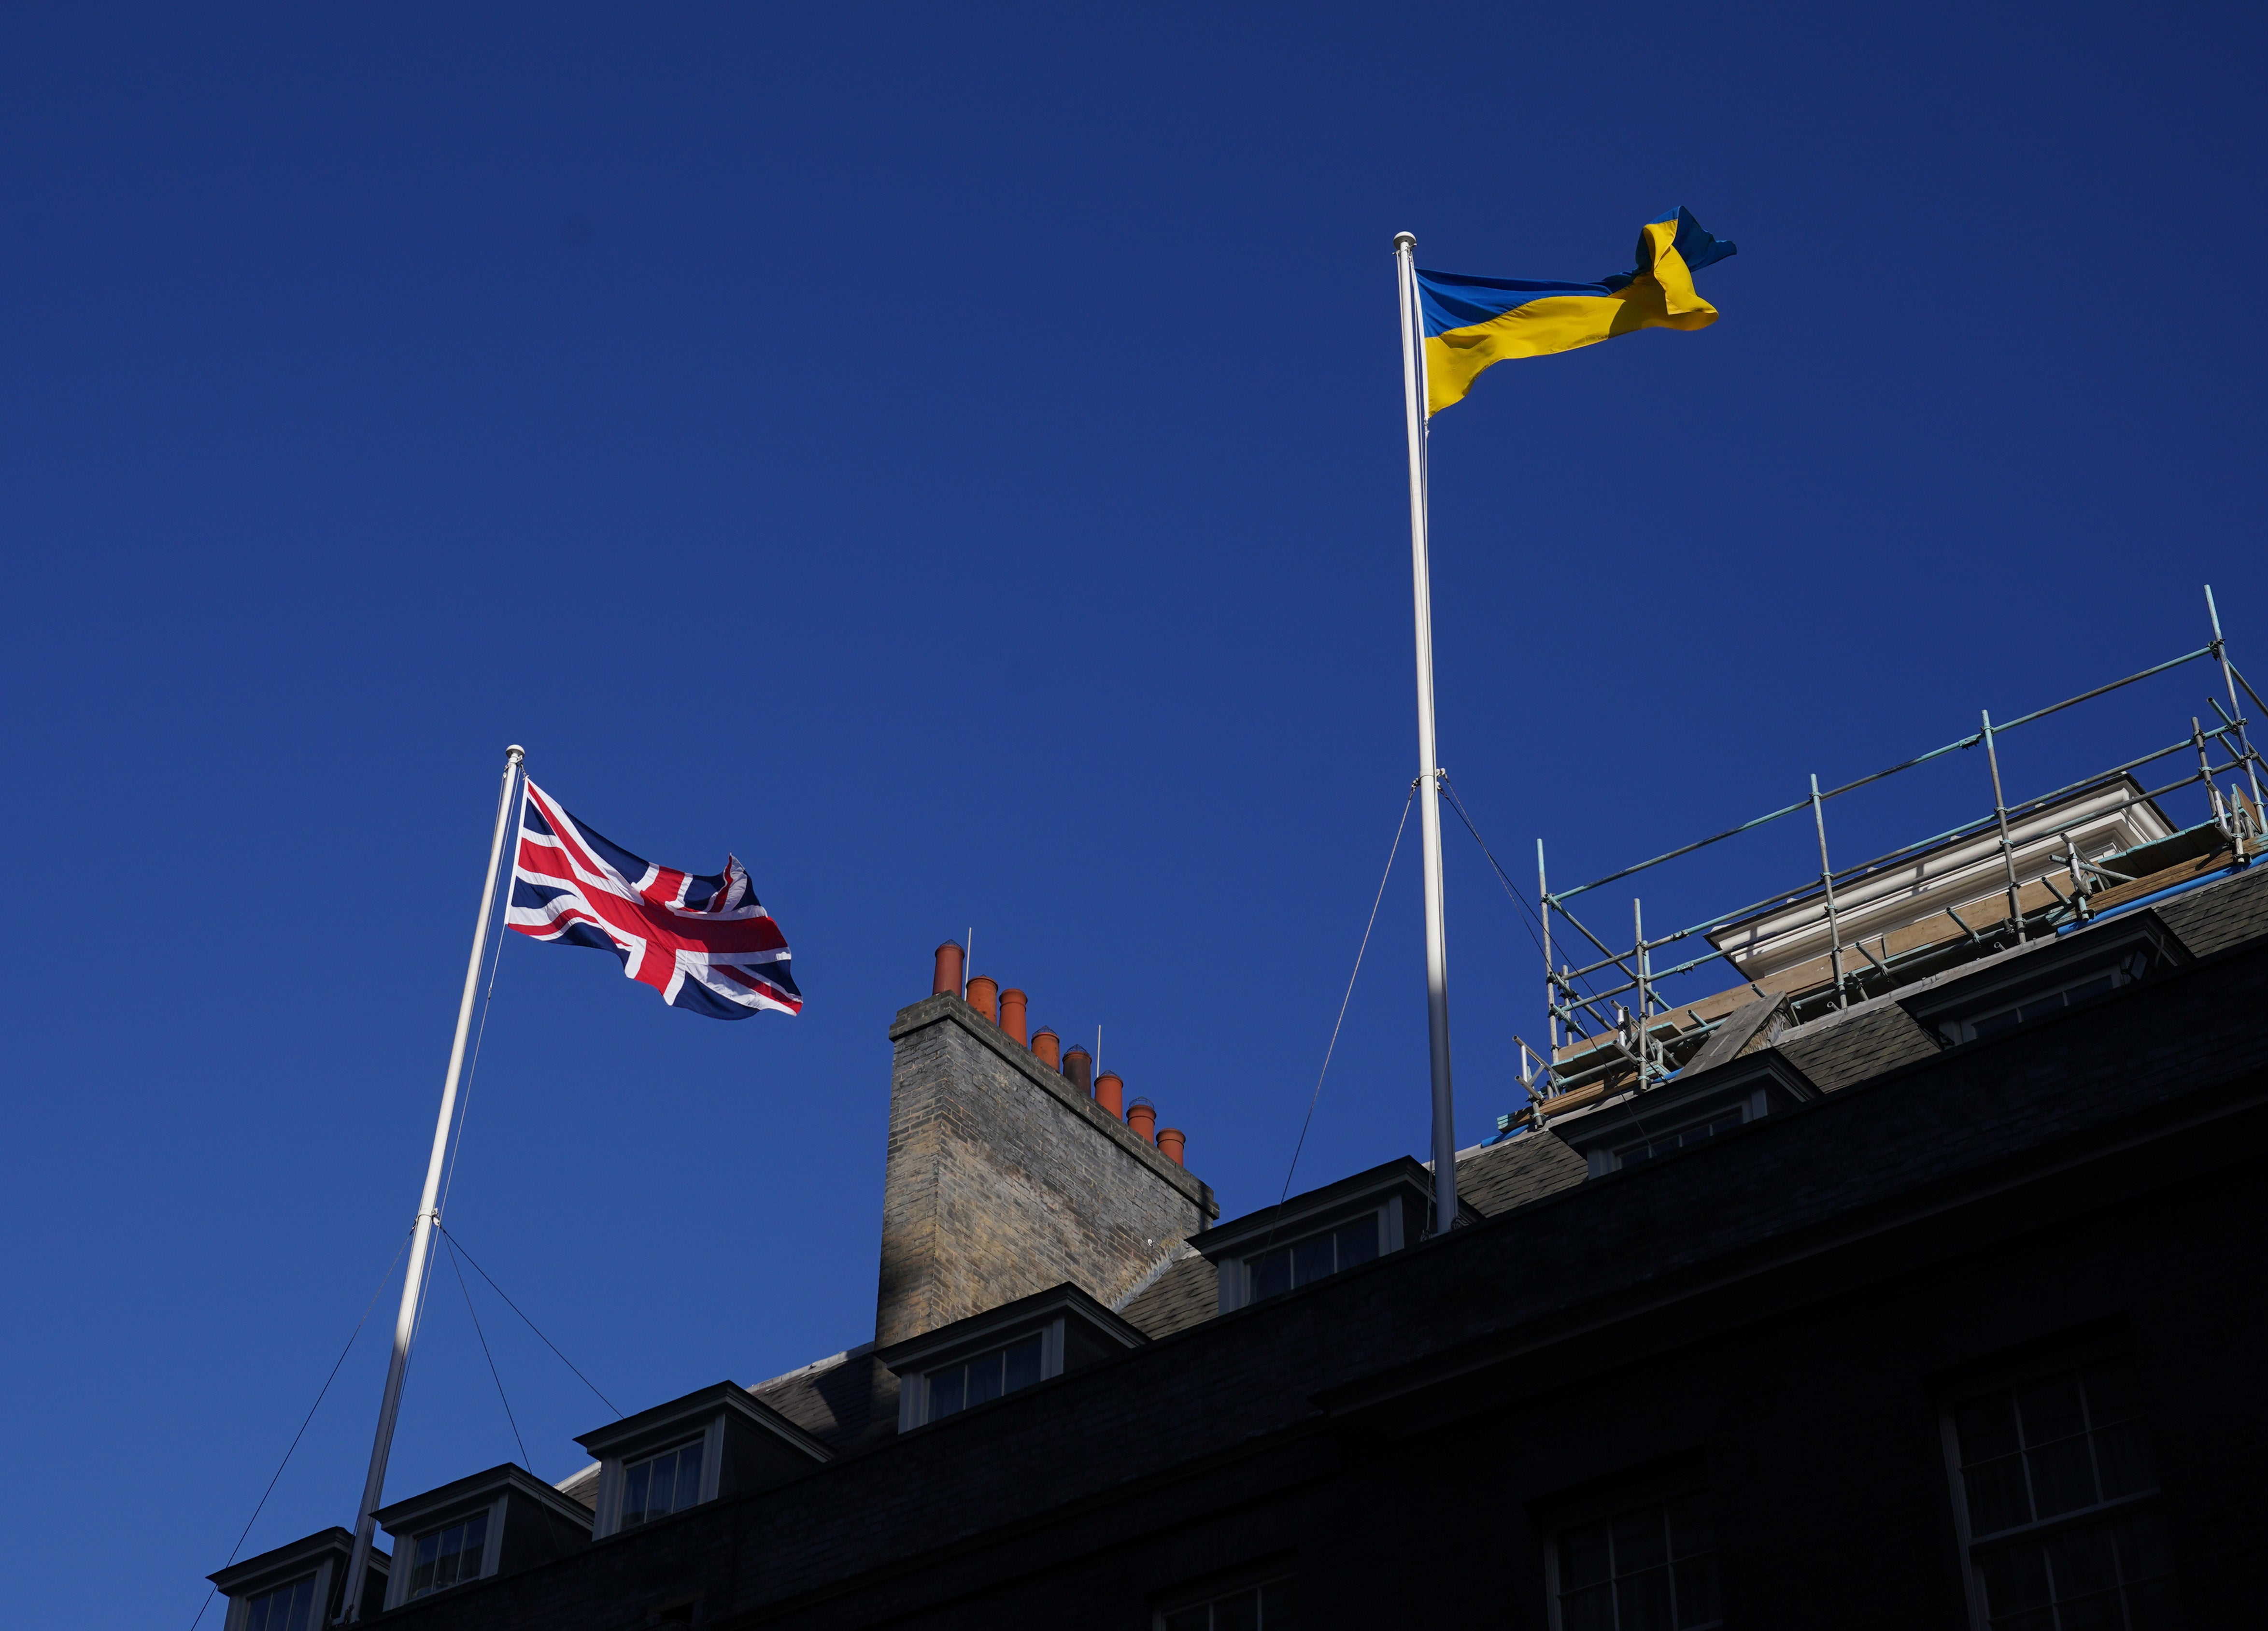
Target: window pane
pixel 1696 1582
pixel 945 1391
pixel 2082 1561
pixel 1024 1363
pixel 1987 1428
pixel 1311 1260
pixel 476 1539
pixel 1238 1612
pixel 1271 1275
pixel 2150 1608
pixel 1592 1609
pixel 1277 1611
pixel 635 1483
pixel 2049 1410
pixel 302 1606
pixel 984 1379
pixel 2142 1548
pixel 2063 1476
pixel 1642 1600
pixel 1359 1241
pixel 1639 1541
pixel 421 1577
pixel 2122 1459
pixel 2015 1579
pixel 2090 1613
pixel 1584 1559
pixel 1996 1500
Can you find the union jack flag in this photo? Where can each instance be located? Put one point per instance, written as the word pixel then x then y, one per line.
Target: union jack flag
pixel 704 943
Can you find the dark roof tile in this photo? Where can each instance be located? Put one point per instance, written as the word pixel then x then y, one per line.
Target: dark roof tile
pixel 1836 1052
pixel 1497 1178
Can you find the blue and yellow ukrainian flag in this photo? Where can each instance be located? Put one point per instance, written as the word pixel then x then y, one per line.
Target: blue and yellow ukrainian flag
pixel 1471 323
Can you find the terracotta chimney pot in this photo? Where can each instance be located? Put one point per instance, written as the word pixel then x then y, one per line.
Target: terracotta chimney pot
pixel 1110 1092
pixel 949 970
pixel 1048 1048
pixel 1170 1144
pixel 1011 1016
pixel 1078 1065
pixel 1142 1116
pixel 984 996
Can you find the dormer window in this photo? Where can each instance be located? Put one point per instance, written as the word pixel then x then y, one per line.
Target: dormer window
pixel 1665 1143
pixel 1279 1249
pixel 660 1484
pixel 2039 1005
pixel 493 1523
pixel 444 1557
pixel 287 1608
pixel 987 1356
pixel 721 1440
pixel 2033 984
pixel 986 1377
pixel 299 1587
pixel 1634 1129
pixel 1303 1262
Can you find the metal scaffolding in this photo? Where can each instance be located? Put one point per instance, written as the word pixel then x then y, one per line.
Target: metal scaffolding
pixel 1606 1020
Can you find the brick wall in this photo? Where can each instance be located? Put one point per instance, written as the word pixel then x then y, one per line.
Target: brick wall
pixel 1005 1179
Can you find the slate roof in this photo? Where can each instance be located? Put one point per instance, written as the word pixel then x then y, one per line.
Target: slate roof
pixel 2216 916
pixel 845 1402
pixel 1497 1178
pixel 1186 1292
pixel 1850 1047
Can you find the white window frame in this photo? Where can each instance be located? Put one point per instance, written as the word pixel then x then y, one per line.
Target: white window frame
pixel 1603 1160
pixel 614 1471
pixel 913 1388
pixel 1679 1490
pixel 1205 1597
pixel 1949 1436
pixel 1236 1272
pixel 1953 1033
pixel 238 1617
pixel 397 1580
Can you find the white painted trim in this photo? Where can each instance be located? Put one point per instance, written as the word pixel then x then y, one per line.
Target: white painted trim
pixel 1971 870
pixel 607 1509
pixel 713 1458
pixel 1236 1276
pixel 492 1552
pixel 614 1471
pixel 239 1608
pixel 913 1387
pixel 397 1578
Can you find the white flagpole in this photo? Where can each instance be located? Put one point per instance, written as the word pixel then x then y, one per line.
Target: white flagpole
pixel 1429 770
pixel 429 1212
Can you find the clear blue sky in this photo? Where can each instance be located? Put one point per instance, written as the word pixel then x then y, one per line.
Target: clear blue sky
pixel 953 459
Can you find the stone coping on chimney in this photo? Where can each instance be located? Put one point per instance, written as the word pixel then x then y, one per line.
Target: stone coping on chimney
pixel 946 1007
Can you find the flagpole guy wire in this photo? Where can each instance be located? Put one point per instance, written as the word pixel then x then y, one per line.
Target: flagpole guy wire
pixel 1332 1046
pixel 307 1420
pixel 429 1211
pixel 1429 770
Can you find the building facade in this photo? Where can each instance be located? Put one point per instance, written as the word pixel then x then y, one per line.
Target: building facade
pixel 1940 1307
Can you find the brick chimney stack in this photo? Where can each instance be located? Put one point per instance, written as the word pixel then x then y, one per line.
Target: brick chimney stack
pixel 1005 1178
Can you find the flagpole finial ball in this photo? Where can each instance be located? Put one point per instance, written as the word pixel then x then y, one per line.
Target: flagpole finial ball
pixel 515 753
pixel 1405 240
